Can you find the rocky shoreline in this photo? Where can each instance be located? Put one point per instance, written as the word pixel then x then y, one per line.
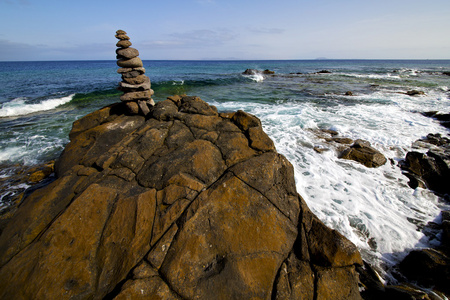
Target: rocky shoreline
pixel 174 205
pixel 176 200
pixel 422 274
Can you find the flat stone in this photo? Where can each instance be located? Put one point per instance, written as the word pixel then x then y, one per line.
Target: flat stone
pixel 130 63
pixel 123 86
pixel 123 71
pixel 135 80
pixel 120 32
pixel 122 37
pixel 141 95
pixel 127 52
pixel 123 44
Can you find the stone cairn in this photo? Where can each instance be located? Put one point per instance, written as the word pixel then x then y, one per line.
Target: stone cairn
pixel 135 85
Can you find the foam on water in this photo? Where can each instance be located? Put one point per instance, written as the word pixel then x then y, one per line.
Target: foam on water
pixel 374 208
pixel 19 107
pixel 255 77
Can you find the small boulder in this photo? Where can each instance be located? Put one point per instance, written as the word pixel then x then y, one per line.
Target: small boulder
pixel 428 267
pixel 362 152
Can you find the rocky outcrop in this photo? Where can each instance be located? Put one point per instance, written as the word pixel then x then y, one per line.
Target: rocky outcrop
pixel 184 204
pixel 255 72
pixel 135 85
pixel 444 119
pixel 431 169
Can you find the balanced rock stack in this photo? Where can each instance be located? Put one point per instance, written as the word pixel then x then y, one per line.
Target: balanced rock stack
pixel 135 85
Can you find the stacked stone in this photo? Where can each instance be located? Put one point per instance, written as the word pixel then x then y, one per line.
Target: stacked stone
pixel 135 85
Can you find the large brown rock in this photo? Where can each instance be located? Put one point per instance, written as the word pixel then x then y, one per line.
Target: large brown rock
pixel 186 203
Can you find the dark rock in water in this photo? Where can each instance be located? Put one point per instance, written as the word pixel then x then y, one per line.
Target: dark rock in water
pixel 250 72
pixel 429 268
pixel 323 72
pixel 444 119
pixel 446 73
pixel 268 72
pixel 349 93
pixel 362 152
pixel 432 169
pixel 183 203
pixel 415 93
pixel 254 72
pixel 372 286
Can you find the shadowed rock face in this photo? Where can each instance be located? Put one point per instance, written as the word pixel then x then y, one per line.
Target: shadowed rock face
pixel 184 204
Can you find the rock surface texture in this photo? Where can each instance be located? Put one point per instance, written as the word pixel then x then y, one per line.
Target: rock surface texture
pixel 135 85
pixel 185 203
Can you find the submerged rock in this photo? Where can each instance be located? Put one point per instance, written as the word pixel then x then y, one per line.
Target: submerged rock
pixel 185 203
pixel 415 93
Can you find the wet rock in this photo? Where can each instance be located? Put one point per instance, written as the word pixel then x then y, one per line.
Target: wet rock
pixel 428 267
pixel 362 152
pixel 415 93
pixel 444 119
pixel 349 93
pixel 255 72
pixel 431 169
pixel 183 203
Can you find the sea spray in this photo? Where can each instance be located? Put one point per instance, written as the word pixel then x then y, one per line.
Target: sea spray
pixel 20 107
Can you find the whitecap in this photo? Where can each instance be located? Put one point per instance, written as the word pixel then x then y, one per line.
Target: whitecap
pixel 19 107
pixel 255 77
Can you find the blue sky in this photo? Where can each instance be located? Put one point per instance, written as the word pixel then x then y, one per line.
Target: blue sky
pixel 226 29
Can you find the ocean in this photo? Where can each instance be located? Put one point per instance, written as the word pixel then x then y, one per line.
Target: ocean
pixel 374 208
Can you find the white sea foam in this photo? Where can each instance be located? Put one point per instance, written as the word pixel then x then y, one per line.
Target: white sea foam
pixel 19 107
pixel 255 77
pixel 11 153
pixel 372 76
pixel 374 208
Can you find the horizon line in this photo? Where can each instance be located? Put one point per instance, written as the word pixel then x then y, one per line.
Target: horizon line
pixel 238 59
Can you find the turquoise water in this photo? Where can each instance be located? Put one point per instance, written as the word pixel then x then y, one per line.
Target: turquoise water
pixel 372 207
